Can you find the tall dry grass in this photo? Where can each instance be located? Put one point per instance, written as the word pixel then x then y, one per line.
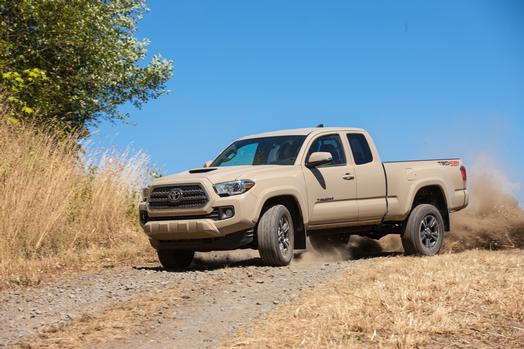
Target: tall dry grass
pixel 471 299
pixel 62 205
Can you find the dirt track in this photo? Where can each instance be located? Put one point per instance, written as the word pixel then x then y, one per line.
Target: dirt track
pixel 146 306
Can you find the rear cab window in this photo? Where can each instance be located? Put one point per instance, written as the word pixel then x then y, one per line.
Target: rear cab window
pixel 360 148
pixel 331 144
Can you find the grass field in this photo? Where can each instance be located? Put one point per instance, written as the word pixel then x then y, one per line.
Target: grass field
pixel 472 299
pixel 62 209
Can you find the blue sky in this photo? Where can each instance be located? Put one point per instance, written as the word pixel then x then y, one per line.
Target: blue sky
pixel 427 79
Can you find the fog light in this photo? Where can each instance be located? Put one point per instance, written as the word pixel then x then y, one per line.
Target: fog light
pixel 226 212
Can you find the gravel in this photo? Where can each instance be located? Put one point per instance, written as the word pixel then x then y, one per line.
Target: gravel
pixel 237 290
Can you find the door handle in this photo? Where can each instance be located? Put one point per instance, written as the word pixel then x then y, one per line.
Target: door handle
pixel 348 176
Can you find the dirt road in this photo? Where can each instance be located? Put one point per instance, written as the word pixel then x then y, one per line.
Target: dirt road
pixel 146 306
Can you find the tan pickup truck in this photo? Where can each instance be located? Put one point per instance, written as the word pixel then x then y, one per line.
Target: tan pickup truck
pixel 276 191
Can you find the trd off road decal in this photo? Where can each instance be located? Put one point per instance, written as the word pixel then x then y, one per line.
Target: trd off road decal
pixel 449 162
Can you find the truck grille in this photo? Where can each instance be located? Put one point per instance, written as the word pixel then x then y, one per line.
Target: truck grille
pixel 178 196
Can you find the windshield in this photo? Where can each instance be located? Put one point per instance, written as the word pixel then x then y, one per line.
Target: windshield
pixel 281 150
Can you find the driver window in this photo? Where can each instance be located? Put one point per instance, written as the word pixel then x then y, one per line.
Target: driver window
pixel 331 144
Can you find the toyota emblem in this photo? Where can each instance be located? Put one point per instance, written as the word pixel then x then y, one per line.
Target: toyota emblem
pixel 175 195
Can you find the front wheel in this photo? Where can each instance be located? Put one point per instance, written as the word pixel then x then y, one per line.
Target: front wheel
pixel 424 231
pixel 275 236
pixel 175 259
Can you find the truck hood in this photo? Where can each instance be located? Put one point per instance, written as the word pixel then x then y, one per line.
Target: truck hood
pixel 217 174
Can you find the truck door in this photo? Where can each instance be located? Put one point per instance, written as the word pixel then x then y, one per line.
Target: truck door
pixel 370 178
pixel 331 188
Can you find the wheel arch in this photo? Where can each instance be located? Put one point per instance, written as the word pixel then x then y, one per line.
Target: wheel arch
pixel 293 205
pixel 433 194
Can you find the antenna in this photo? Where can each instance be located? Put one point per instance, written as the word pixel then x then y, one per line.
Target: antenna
pixel 320 125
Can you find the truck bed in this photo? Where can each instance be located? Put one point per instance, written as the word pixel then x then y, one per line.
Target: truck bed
pixel 405 178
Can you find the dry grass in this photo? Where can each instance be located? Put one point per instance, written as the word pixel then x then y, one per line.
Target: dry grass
pixel 472 299
pixel 60 212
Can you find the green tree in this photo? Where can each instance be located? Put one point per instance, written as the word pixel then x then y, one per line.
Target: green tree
pixel 73 62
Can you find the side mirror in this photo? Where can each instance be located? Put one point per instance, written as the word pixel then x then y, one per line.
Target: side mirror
pixel 319 158
pixel 207 163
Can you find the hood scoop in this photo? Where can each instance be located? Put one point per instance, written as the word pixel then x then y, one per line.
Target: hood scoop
pixel 202 170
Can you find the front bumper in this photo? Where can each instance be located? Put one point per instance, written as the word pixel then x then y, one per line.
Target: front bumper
pixel 243 239
pixel 194 228
pixel 174 224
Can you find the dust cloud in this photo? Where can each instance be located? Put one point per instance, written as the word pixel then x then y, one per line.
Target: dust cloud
pixel 492 220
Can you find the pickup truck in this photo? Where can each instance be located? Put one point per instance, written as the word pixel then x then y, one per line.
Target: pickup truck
pixel 282 191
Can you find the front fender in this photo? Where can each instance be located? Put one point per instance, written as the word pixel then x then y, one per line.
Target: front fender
pixel 269 193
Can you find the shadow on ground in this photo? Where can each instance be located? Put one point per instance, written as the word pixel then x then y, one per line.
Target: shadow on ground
pixel 362 247
pixel 207 261
pixel 357 248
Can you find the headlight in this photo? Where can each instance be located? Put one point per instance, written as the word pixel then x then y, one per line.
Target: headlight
pixel 234 187
pixel 144 194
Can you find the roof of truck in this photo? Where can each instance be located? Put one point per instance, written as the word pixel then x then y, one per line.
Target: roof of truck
pixel 301 131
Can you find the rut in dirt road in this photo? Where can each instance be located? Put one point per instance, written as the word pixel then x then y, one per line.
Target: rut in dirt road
pixel 196 308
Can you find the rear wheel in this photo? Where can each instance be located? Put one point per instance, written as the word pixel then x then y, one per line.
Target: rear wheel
pixel 424 231
pixel 327 243
pixel 175 259
pixel 275 236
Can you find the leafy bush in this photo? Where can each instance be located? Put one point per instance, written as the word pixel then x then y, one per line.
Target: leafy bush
pixel 72 62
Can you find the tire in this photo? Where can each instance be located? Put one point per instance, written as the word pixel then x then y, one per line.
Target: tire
pixel 423 232
pixel 327 243
pixel 275 236
pixel 173 259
